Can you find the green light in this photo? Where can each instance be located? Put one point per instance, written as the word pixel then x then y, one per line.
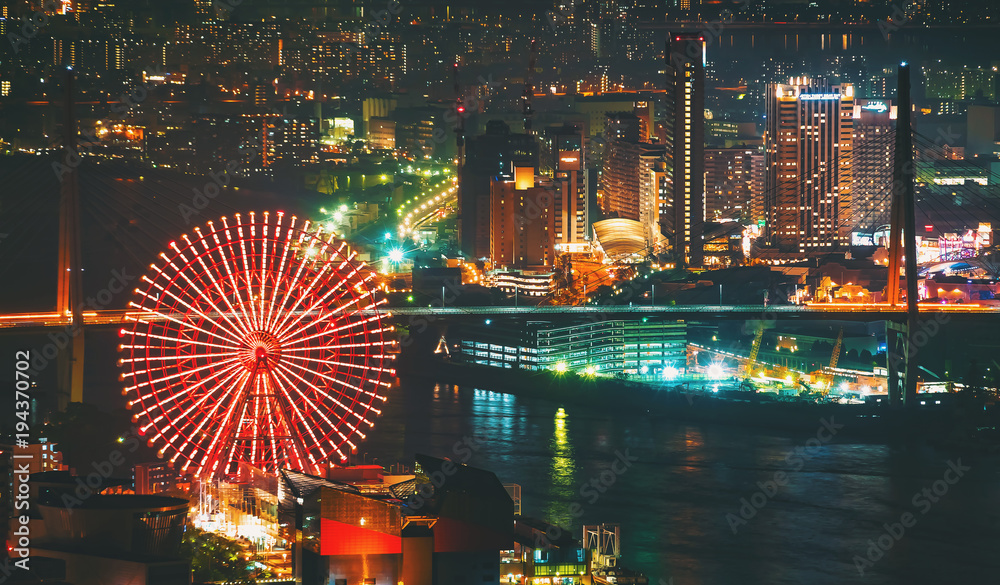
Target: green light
pixel 410 298
pixel 561 367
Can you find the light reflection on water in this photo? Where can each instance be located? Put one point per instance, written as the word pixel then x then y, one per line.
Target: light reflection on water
pixel 672 503
pixel 562 472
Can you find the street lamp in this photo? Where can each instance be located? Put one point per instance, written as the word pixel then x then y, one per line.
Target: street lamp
pixel 652 296
pixel 720 294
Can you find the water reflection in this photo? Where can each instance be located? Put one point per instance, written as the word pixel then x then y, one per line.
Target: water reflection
pixel 562 472
pixel 672 504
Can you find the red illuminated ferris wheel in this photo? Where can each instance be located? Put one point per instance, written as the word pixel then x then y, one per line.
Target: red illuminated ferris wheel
pixel 260 341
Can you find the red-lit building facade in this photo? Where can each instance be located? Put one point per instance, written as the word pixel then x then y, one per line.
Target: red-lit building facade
pixel 447 526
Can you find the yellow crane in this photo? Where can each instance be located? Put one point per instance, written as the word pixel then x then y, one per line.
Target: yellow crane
pixel 754 350
pixel 826 378
pixel 835 357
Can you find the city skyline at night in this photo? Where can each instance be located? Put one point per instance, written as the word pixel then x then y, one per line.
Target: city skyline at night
pixel 339 292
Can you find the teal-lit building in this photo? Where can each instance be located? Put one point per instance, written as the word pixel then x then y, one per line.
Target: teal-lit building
pixel 645 346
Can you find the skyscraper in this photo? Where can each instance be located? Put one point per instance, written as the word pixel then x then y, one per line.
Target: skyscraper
pixel 733 179
pixel 871 165
pixel 807 188
pixel 651 192
pixel 627 162
pixel 492 154
pixel 522 219
pixel 685 143
pixel 619 187
pixel 565 146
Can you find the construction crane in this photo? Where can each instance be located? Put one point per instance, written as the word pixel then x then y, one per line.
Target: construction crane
pixel 824 377
pixel 754 350
pixel 526 95
pixel 835 357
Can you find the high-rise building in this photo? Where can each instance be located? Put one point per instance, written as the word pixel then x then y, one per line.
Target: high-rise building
pixel 490 155
pixel 807 191
pixel 618 194
pixel 871 163
pixel 565 147
pixel 734 177
pixel 685 143
pixel 650 191
pixel 522 219
pixel 658 194
pixel 622 180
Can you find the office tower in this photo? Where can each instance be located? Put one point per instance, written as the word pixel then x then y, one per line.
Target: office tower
pixel 565 149
pixel 622 176
pixel 618 192
pixel 871 165
pixel 492 154
pixel 733 178
pixel 658 192
pixel 522 219
pixel 758 165
pixel 807 191
pixel 652 187
pixel 685 143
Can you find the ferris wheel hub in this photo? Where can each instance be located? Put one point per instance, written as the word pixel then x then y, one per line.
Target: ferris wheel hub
pixel 261 350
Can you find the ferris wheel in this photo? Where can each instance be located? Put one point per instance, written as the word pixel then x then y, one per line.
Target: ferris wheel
pixel 257 340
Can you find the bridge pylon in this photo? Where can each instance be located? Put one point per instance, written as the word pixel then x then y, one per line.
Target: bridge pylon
pixel 902 248
pixel 69 292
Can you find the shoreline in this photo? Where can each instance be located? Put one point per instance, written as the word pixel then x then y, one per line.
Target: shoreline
pixel 938 425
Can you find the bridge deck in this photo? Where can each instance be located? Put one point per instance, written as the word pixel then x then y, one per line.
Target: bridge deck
pixel 815 311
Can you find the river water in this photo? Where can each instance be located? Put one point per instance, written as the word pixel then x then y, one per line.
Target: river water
pixel 680 500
